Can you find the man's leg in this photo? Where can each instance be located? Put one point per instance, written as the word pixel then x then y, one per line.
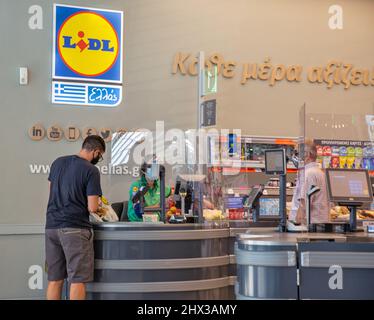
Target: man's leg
pixel 54 290
pixel 77 291
pixel 79 252
pixel 55 264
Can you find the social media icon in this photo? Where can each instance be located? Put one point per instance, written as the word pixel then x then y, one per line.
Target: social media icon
pixel 72 133
pixel 106 134
pixel 89 131
pixel 37 132
pixel 54 133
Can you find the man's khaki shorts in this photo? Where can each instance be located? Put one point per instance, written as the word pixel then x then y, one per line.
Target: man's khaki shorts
pixel 69 254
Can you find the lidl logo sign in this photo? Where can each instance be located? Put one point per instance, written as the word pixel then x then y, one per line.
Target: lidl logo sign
pixel 87 47
pixel 87 44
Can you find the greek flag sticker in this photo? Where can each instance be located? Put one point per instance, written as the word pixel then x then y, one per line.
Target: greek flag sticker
pixel 88 94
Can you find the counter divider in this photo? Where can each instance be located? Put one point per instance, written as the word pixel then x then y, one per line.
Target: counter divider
pixel 171 286
pixel 160 264
pixel 345 259
pixel 162 235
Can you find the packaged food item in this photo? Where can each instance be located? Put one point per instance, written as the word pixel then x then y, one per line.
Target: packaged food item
pixel 212 214
pixel 370 151
pixel 366 163
pixel 327 151
pixel 326 162
pixel 319 151
pixel 358 152
pixel 342 162
pixel 170 202
pixel 351 152
pixel 335 162
pixel 367 152
pixel 320 161
pixel 104 200
pixel 151 217
pixel 335 151
pixel 350 162
pixel 343 151
pixel 358 163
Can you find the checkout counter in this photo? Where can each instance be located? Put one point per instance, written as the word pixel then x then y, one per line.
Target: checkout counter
pixel 228 260
pixel 274 264
pixel 161 261
pixel 147 261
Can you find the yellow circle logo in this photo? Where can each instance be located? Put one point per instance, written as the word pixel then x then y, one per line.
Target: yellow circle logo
pixel 88 43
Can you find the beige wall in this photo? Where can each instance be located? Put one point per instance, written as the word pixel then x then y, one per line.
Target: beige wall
pixel 288 31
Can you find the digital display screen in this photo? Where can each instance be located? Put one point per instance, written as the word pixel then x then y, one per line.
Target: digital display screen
pixel 349 185
pixel 234 202
pixel 269 207
pixel 275 161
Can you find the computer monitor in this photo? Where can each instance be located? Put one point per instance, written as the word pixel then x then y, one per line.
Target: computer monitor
pixel 349 186
pixel 269 207
pixel 275 162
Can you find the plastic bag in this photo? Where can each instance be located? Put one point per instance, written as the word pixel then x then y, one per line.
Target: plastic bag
pixel 95 218
pixel 110 215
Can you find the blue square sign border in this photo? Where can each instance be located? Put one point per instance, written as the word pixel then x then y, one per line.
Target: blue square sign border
pixel 59 68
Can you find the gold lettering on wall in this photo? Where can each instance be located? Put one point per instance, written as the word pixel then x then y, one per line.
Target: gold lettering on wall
pixel 334 73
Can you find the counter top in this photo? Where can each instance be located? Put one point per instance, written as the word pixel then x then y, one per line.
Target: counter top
pixel 270 236
pixel 133 226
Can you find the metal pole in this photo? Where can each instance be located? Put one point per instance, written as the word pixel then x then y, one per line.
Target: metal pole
pixel 200 88
pixel 200 100
pixel 183 205
pixel 353 219
pixel 282 202
pixel 162 193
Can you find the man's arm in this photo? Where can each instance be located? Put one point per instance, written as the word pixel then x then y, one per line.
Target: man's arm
pixel 207 204
pixel 93 191
pixel 93 203
pixel 310 180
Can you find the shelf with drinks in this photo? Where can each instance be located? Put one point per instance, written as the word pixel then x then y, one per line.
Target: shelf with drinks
pixel 246 153
pixel 239 202
pixel 343 154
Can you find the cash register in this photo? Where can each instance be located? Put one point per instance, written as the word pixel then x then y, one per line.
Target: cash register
pixel 276 164
pixel 350 188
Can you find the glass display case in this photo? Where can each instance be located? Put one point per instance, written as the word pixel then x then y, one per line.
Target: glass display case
pixel 235 171
pixel 332 141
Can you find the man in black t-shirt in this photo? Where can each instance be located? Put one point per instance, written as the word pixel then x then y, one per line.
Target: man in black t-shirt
pixel 74 193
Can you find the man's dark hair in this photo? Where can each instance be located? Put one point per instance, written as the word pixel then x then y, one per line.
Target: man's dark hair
pixel 94 142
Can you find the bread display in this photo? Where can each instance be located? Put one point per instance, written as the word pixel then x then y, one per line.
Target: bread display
pixel 342 213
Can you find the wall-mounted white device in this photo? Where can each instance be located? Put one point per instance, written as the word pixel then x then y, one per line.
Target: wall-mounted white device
pixel 23 76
